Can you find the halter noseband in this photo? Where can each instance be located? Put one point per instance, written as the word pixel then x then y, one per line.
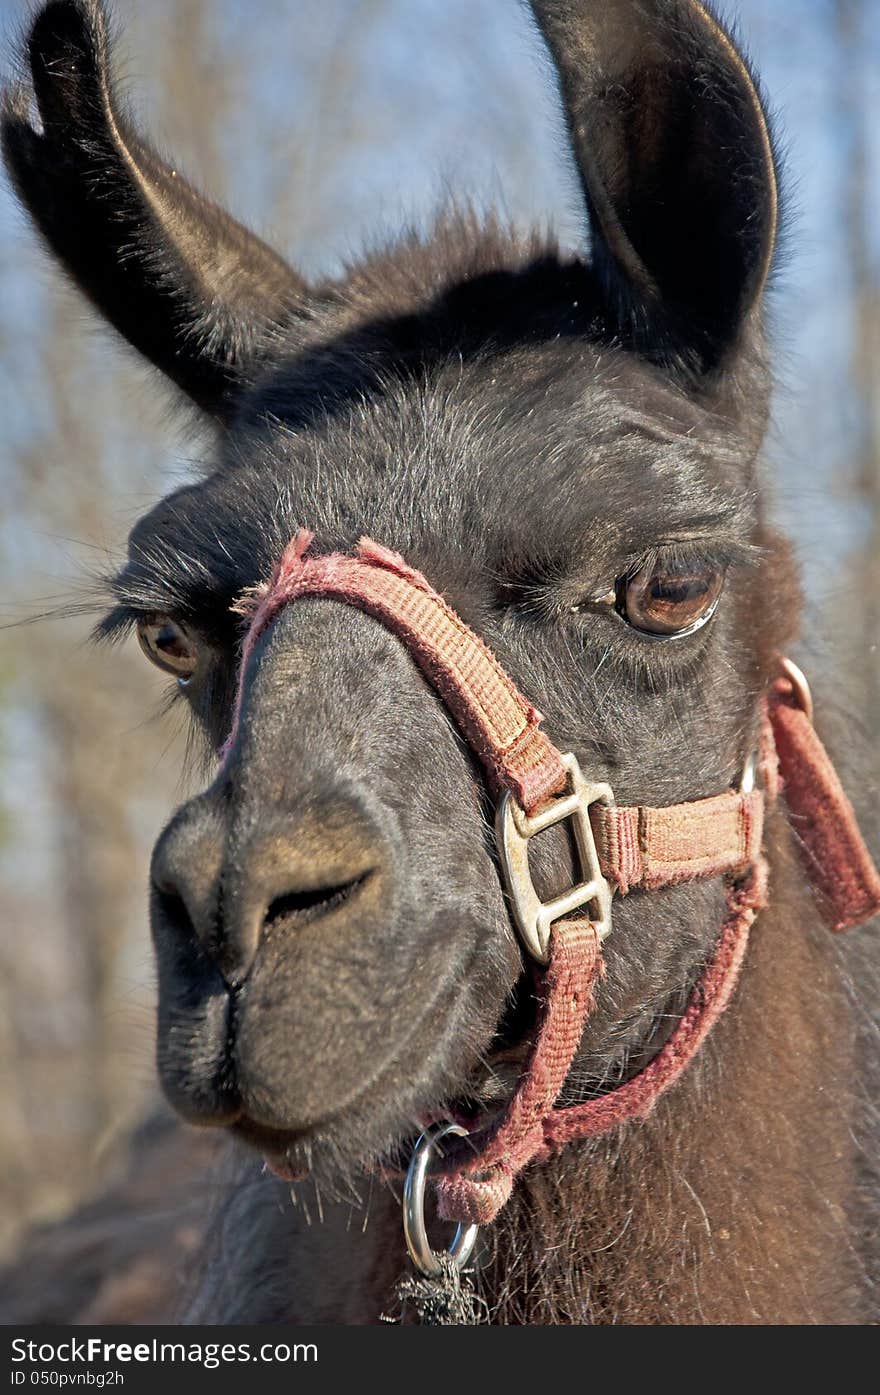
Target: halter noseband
pixel 618 849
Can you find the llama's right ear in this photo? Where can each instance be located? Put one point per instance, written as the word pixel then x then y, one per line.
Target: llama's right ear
pixel 189 287
pixel 677 166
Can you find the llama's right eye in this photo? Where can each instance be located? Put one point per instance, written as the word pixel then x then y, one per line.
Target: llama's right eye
pixel 168 645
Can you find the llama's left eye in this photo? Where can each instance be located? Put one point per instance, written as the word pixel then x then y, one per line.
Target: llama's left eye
pixel 168 645
pixel 670 599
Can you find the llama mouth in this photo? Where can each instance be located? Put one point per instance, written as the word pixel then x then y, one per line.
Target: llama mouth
pixel 290 1154
pixel 340 1142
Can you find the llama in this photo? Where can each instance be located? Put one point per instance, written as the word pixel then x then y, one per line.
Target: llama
pixel 568 449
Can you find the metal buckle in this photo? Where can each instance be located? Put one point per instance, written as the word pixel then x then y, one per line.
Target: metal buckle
pixel 514 828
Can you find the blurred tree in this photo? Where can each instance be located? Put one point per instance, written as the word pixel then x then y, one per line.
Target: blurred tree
pixel 85 450
pixel 856 115
pixel 323 126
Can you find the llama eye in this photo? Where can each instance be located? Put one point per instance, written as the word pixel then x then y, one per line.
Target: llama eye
pixel 168 645
pixel 670 599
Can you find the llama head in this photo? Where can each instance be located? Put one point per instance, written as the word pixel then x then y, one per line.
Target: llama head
pixel 565 447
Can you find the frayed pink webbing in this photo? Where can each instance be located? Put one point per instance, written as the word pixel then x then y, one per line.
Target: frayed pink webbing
pixel 833 850
pixel 501 727
pixel 637 847
pixel 480 1187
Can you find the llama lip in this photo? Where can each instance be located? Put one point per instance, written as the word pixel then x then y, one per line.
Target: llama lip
pixel 277 1147
pixel 284 1169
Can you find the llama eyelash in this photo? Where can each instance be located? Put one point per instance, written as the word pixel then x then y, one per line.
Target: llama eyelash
pixel 676 553
pixel 518 429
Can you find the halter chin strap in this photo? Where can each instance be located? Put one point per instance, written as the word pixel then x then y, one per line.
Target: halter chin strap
pixel 619 849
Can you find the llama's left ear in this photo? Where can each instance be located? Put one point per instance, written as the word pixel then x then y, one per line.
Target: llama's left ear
pixel 189 287
pixel 678 169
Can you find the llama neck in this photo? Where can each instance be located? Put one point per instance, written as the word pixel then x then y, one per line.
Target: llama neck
pixel 731 1204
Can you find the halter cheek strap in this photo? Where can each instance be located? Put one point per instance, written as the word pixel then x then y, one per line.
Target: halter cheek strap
pixel 636 847
pixel 832 848
pixel 619 849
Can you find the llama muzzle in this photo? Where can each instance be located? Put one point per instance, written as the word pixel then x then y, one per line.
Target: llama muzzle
pixel 620 849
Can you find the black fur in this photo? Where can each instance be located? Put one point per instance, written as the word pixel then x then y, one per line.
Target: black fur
pixel 181 280
pixel 526 428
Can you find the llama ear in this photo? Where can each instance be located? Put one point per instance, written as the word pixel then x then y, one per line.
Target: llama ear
pixel 184 283
pixel 678 169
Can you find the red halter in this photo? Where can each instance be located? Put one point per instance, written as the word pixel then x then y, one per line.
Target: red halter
pixel 619 849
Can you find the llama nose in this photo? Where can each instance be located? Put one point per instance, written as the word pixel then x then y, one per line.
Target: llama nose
pixel 227 888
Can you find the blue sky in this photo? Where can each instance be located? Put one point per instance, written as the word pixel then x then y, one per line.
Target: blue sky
pixel 431 96
pixel 351 117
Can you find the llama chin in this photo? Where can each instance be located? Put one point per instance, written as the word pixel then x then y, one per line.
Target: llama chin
pixel 568 448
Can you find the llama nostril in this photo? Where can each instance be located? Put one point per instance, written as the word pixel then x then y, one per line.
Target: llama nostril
pixel 172 908
pixel 247 919
pixel 174 912
pixel 300 907
pixel 186 874
pixel 220 883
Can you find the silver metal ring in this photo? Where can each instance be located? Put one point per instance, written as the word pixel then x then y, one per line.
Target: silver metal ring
pixel 749 776
pixel 800 686
pixel 427 1260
